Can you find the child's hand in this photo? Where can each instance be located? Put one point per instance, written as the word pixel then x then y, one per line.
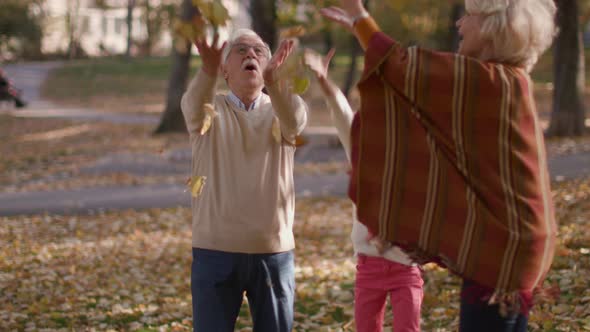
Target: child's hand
pixel 318 65
pixel 381 245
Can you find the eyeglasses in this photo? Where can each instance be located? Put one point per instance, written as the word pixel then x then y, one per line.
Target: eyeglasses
pixel 259 50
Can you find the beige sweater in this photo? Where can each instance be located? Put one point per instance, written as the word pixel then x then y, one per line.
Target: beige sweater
pixel 247 203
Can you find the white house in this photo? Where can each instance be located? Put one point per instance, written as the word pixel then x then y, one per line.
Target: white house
pixel 104 31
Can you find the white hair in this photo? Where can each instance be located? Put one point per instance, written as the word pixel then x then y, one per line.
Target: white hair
pixel 233 38
pixel 519 30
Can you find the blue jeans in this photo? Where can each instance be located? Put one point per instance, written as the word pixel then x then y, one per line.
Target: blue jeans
pixel 476 315
pixel 219 280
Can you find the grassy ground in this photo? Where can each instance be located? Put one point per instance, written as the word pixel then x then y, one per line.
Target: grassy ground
pixel 129 271
pixel 47 154
pixel 139 86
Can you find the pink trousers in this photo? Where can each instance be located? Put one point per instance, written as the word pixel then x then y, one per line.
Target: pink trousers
pixel 378 277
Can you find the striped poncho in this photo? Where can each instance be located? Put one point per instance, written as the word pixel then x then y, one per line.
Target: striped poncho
pixel 449 163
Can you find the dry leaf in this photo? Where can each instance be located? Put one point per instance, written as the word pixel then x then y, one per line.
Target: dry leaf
pixel 196 185
pixel 276 130
pixel 210 114
pixel 293 32
pixel 213 11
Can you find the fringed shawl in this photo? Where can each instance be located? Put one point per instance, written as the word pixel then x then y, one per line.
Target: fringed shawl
pixel 448 162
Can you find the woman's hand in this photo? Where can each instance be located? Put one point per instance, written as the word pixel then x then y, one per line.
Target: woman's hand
pixel 353 7
pixel 210 54
pixel 345 14
pixel 339 16
pixel 285 49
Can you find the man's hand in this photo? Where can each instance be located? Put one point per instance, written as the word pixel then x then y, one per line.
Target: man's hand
pixel 285 49
pixel 210 55
pixel 318 65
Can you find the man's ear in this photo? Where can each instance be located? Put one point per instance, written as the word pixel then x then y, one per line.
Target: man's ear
pixel 224 72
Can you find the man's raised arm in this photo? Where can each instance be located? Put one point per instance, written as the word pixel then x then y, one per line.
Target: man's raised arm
pixel 201 90
pixel 289 108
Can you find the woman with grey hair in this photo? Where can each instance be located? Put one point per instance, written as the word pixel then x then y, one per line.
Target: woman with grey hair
pixel 448 158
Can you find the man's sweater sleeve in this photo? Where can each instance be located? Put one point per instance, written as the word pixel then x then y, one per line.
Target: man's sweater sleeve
pixel 200 91
pixel 291 111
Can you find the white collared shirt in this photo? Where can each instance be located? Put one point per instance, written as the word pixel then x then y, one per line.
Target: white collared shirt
pixel 234 99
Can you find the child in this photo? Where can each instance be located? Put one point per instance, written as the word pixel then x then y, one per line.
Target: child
pixel 380 270
pixel 9 92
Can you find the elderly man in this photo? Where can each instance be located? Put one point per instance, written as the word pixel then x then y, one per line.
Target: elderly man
pixel 243 217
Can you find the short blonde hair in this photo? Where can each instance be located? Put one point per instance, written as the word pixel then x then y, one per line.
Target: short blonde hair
pixel 237 34
pixel 520 30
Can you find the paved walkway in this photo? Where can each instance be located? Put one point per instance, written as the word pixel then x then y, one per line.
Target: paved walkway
pixel 322 147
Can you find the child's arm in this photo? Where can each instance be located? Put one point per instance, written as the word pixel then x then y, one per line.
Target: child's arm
pixel 341 111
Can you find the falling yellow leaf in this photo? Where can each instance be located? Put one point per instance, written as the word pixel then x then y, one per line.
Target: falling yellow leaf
pixel 276 130
pixel 214 11
pixel 190 30
pixel 210 114
pixel 300 84
pixel 293 32
pixel 196 185
pixel 300 140
pixel 294 72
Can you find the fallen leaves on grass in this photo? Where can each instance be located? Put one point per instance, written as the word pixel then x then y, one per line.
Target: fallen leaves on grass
pixel 75 181
pixel 329 167
pixel 48 154
pixel 560 146
pixel 130 270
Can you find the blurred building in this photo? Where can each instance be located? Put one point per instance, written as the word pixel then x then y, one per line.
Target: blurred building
pixel 99 27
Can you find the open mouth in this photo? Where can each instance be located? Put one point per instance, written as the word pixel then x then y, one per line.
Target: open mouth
pixel 250 65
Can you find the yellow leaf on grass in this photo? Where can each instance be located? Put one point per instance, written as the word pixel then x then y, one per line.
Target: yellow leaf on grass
pixel 210 114
pixel 276 130
pixel 196 185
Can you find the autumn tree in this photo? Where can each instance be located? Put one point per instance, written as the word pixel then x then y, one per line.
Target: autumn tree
pixel 172 119
pixel 20 27
pixel 264 20
pixel 130 8
pixel 567 118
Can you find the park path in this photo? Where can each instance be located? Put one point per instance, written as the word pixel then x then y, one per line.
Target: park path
pixel 322 147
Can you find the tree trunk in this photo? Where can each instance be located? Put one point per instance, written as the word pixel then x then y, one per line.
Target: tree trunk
pixel 130 5
pixel 567 118
pixel 149 26
pixel 172 119
pixel 264 20
pixel 354 52
pixel 72 15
